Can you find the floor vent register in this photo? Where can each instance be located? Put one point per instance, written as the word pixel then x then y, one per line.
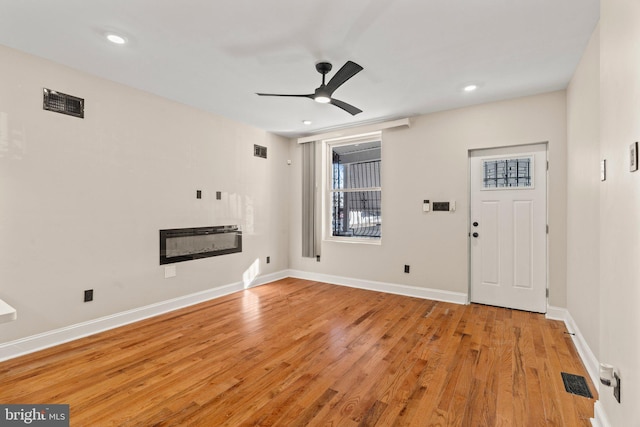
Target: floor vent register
pixel 576 384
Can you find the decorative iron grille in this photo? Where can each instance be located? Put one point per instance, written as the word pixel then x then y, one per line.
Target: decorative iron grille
pixel 356 213
pixel 507 173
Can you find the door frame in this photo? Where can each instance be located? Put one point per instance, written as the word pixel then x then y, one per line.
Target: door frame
pixel 515 147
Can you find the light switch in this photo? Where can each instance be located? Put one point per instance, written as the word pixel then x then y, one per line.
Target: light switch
pixel 426 206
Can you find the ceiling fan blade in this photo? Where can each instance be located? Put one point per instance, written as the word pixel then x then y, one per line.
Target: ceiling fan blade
pixel 346 107
pixel 280 94
pixel 347 71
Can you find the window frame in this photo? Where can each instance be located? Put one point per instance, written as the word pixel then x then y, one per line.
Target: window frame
pixel 328 190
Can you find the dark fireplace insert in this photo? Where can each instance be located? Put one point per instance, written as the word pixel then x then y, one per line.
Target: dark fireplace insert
pixel 185 244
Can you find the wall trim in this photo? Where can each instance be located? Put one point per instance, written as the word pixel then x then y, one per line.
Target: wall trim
pixel 33 343
pixel 390 288
pixel 588 358
pixel 599 416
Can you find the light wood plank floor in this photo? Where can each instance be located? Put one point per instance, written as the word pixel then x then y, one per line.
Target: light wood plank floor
pixel 297 353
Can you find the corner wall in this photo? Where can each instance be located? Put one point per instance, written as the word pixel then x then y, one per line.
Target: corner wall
pixel 583 194
pixel 620 206
pixel 82 200
pixel 429 160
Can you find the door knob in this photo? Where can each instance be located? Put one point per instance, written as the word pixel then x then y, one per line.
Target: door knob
pixel 475 223
pixel 475 234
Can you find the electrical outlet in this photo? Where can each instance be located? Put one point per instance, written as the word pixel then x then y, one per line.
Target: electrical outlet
pixel 88 295
pixel 170 271
pixel 218 195
pixel 198 194
pixel 406 268
pixel 268 259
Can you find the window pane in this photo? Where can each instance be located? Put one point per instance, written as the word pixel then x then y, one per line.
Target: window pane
pixel 355 188
pixel 507 173
pixel 356 213
pixel 356 166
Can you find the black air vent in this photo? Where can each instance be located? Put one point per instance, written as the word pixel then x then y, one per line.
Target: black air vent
pixel 259 151
pixel 576 384
pixel 63 103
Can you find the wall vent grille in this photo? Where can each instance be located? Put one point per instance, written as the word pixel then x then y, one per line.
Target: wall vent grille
pixel 62 103
pixel 259 151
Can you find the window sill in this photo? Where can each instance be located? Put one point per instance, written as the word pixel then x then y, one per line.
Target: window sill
pixel 354 240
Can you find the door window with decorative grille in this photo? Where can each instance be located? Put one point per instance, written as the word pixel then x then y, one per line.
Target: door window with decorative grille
pixel 355 190
pixel 507 173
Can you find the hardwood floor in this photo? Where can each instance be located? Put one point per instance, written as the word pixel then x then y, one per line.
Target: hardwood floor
pixel 297 353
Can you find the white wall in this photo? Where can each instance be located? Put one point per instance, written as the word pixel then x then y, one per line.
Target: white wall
pixel 429 160
pixel 620 205
pixel 82 201
pixel 583 194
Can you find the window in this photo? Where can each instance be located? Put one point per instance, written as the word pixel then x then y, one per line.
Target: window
pixel 354 196
pixel 507 173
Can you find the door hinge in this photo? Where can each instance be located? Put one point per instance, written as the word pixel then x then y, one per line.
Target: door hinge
pixel 547 293
pixel 547 228
pixel 547 164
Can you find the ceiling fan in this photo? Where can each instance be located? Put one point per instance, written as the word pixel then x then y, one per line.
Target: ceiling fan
pixel 323 93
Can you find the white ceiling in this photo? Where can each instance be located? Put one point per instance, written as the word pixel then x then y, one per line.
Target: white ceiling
pixel 216 54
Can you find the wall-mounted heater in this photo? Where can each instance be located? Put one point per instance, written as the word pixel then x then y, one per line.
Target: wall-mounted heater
pixel 185 244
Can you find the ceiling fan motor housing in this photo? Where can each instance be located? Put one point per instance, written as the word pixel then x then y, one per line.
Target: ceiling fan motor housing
pixel 323 67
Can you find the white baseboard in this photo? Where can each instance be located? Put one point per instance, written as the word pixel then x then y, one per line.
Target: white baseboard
pixel 391 288
pixel 588 358
pixel 33 343
pixel 599 417
pixel 268 278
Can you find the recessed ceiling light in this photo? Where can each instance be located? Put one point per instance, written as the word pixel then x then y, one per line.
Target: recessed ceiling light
pixel 306 122
pixel 470 88
pixel 114 38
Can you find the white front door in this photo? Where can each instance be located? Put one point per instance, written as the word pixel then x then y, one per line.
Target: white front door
pixel 508 237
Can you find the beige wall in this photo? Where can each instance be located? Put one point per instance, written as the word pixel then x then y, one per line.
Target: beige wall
pixel 603 273
pixel 429 160
pixel 583 194
pixel 81 201
pixel 620 205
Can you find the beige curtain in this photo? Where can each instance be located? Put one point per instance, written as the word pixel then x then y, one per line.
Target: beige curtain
pixel 310 202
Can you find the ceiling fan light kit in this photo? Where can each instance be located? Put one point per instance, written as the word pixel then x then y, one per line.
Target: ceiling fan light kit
pixel 323 93
pixel 322 98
